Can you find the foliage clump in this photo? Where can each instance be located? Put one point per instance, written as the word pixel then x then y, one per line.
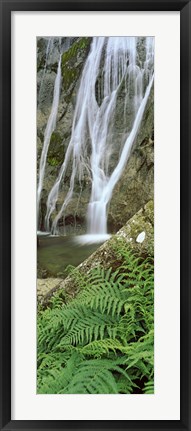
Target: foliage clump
pixel 101 342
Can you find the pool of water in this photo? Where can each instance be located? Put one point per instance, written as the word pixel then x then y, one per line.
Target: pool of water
pixel 54 254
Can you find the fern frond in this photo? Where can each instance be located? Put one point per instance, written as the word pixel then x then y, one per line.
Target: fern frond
pixel 102 341
pixel 149 387
pixel 99 348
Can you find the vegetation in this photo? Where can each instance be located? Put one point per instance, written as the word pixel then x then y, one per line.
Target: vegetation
pixel 101 342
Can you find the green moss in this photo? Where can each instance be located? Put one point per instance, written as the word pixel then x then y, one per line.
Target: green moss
pixel 52 161
pixel 80 45
pixel 69 76
pixel 150 209
pixel 56 139
pixel 70 72
pixel 55 152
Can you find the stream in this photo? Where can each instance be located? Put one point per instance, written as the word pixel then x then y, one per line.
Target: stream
pixel 55 253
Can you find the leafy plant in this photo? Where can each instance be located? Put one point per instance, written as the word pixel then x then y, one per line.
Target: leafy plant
pixel 102 340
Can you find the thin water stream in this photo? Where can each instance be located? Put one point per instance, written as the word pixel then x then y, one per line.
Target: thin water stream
pixel 51 124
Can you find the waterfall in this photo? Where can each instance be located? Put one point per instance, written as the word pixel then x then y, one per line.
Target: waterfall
pixel 111 63
pixel 51 124
pixel 77 145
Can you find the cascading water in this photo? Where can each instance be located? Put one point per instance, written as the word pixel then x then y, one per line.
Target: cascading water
pixel 51 124
pixel 111 63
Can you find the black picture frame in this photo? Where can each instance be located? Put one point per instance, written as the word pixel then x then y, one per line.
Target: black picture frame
pixel 6 7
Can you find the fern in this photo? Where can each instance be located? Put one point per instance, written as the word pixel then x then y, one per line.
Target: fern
pixel 149 387
pixel 102 340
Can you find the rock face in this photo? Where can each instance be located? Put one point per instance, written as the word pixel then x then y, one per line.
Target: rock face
pixel 137 235
pixel 135 186
pixel 47 286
